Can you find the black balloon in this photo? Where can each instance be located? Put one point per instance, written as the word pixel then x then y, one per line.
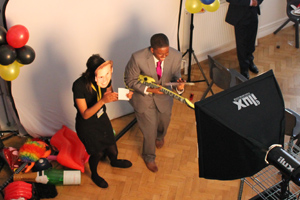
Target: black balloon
pixel 7 54
pixel 2 35
pixel 25 55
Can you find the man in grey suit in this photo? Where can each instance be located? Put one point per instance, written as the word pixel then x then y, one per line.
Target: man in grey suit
pixel 152 107
pixel 243 15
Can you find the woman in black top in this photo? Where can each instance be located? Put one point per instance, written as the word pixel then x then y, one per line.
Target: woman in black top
pixel 91 91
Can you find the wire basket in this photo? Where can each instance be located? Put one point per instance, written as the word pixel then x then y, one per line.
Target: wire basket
pixel 267 183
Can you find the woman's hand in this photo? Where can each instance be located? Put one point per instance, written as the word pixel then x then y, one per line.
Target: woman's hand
pixel 109 97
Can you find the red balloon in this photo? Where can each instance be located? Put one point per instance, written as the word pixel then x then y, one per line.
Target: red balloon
pixel 17 36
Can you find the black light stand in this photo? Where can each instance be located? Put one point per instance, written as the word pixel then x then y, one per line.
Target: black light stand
pixel 124 130
pixel 288 166
pixel 191 52
pixel 13 132
pixel 3 4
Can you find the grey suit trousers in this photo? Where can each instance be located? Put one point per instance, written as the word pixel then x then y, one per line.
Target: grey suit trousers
pixel 148 121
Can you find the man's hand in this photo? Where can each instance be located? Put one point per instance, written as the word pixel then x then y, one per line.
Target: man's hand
pixel 129 95
pixel 154 90
pixel 180 87
pixel 253 3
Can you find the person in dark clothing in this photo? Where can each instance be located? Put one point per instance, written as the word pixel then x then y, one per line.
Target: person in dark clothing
pixel 91 91
pixel 243 15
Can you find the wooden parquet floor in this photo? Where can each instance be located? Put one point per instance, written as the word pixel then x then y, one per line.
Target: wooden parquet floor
pixel 178 175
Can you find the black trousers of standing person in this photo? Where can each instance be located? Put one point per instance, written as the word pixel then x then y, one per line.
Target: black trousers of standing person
pixel 245 37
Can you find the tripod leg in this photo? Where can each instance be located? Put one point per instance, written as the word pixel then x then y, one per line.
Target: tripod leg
pixel 297 35
pixel 205 79
pixel 126 129
pixel 4 106
pixel 185 53
pixel 207 90
pixel 241 188
pixel 283 25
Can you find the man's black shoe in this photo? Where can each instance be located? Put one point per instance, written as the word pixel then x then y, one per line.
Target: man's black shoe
pixel 253 69
pixel 246 74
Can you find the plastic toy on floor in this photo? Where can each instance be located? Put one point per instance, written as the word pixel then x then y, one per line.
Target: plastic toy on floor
pixel 32 151
pixel 72 152
pixel 11 156
pixel 18 190
pixel 41 164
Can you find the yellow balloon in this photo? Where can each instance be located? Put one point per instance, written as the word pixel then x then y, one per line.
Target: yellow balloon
pixel 193 6
pixel 212 7
pixel 9 72
pixel 19 64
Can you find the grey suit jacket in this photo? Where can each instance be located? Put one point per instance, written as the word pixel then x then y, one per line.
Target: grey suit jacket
pixel 142 62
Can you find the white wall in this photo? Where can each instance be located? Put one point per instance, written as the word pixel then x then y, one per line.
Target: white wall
pixel 273 14
pixel 65 33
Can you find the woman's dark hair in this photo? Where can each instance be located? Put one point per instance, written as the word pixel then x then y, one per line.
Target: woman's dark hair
pixel 92 64
pixel 159 40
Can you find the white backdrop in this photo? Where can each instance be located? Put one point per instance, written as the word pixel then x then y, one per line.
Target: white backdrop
pixel 64 34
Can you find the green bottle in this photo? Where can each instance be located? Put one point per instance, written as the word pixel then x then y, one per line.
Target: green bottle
pixel 51 176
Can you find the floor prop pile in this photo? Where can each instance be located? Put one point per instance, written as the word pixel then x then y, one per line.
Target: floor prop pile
pixel 33 174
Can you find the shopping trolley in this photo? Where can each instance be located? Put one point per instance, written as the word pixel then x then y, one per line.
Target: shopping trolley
pixel 269 183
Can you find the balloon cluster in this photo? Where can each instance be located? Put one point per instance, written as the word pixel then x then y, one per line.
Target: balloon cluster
pixel 196 6
pixel 14 53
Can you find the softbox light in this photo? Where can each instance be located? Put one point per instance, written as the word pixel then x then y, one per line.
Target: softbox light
pixel 236 127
